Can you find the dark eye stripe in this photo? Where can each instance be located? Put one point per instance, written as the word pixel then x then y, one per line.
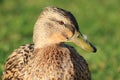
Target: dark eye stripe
pixel 70 27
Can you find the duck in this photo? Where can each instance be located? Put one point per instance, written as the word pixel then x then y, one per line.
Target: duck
pixel 49 57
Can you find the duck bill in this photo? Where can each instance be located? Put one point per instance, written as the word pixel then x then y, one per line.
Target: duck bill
pixel 82 42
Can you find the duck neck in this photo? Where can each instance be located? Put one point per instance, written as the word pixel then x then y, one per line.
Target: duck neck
pixel 45 44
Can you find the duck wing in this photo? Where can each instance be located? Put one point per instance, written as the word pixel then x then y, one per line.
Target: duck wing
pixel 17 61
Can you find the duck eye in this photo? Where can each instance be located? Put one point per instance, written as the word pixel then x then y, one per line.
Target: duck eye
pixel 61 22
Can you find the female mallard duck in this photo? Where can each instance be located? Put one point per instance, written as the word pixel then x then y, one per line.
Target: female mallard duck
pixel 49 58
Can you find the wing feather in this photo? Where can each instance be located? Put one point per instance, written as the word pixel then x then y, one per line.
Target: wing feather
pixel 17 61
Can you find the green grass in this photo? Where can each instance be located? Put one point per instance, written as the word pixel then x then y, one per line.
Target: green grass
pixel 99 19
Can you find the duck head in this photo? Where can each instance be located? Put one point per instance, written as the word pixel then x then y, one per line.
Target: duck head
pixel 55 26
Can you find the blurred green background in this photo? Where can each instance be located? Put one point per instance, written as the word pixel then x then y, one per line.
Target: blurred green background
pixel 99 19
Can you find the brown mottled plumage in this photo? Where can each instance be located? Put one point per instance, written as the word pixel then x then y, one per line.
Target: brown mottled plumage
pixel 49 58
